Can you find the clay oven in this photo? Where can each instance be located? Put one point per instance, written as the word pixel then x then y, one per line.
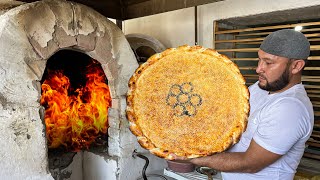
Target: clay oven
pixel 29 35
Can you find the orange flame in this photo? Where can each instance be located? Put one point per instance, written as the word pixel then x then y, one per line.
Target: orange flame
pixel 75 119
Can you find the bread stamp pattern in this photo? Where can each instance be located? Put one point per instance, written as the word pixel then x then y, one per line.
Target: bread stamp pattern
pixel 182 99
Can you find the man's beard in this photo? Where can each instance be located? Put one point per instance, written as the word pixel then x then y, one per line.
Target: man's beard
pixel 278 84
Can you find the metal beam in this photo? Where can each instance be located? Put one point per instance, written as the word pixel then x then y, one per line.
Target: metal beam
pixel 151 7
pixel 130 2
pixel 128 9
pixel 109 8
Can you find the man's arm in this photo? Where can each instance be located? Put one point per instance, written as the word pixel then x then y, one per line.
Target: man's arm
pixel 253 160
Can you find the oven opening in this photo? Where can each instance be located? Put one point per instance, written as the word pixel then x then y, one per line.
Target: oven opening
pixel 76 98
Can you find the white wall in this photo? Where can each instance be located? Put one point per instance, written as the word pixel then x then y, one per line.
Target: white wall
pixel 171 28
pixel 176 28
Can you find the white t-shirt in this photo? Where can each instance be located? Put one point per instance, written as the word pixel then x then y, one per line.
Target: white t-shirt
pixel 280 123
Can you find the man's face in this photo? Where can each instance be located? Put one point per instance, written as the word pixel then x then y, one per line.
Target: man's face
pixel 274 71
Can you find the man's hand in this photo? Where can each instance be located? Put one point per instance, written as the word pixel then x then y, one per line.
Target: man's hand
pixel 251 161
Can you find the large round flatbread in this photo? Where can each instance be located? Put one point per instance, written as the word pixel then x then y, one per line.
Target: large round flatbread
pixel 187 101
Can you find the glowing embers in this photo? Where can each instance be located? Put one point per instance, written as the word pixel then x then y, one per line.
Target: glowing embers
pixel 76 108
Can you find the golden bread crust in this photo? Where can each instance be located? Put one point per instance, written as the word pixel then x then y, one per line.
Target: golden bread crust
pixel 187 101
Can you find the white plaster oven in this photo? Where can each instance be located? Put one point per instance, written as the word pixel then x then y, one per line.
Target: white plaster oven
pixel 29 35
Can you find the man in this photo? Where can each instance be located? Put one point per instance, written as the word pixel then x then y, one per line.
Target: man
pixel 281 115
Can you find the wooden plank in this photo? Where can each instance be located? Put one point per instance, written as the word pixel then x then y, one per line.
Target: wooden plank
pixel 250 75
pixel 312 86
pixel 314 58
pixel 316 134
pixel 309 77
pixel 310 80
pixel 314 39
pixel 317 113
pixel 311 140
pixel 313 48
pixel 316 102
pixel 315 105
pixel 259 42
pixel 244 59
pixel 150 7
pixel 254 34
pixel 313 91
pixel 254 68
pixel 233 47
pixel 256 39
pixel 239 40
pixel 239 50
pixel 310 30
pixel 313 95
pixel 317 123
pixel 308 169
pixel 215 29
pixel 257 59
pixel 312 151
pixel 267 33
pixel 313 144
pixel 248 68
pixel 250 43
pixel 309 155
pixel 268 27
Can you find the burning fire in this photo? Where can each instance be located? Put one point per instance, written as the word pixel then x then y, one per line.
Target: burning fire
pixel 75 118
